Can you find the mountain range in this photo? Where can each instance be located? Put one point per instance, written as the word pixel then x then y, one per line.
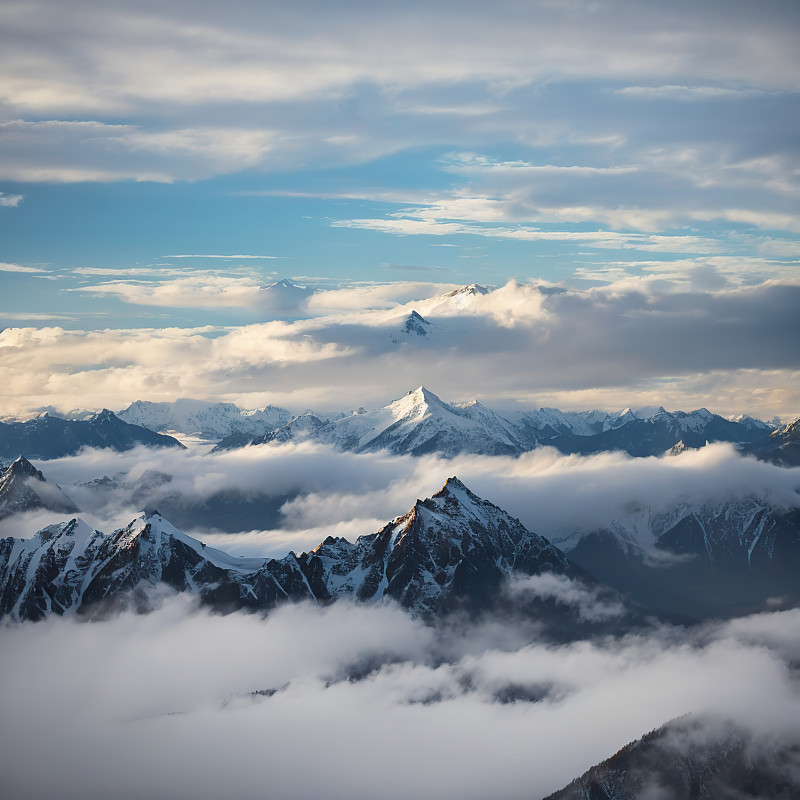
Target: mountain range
pixel 781 447
pixel 209 420
pixel 420 422
pixel 452 551
pixel 695 560
pixel 417 423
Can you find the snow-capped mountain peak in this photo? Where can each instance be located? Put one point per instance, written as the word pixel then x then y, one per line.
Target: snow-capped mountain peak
pixel 283 283
pixel 453 547
pixel 414 400
pixel 415 324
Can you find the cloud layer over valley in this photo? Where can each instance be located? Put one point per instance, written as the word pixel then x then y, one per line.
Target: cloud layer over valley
pixel 296 495
pixel 218 704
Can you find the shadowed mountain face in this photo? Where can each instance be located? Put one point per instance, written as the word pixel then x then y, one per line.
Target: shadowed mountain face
pixel 53 437
pixel 693 759
pixel 24 488
pixel 707 560
pixel 451 551
pixel 781 447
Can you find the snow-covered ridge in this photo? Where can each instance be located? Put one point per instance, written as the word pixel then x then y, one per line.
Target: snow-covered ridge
pixel 210 420
pixel 451 547
pixel 420 422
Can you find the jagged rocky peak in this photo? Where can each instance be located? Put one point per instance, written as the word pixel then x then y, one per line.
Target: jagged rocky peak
pixel 455 491
pixel 678 448
pixel 421 395
pixel 24 488
pixel 789 431
pixel 416 324
pixel 21 467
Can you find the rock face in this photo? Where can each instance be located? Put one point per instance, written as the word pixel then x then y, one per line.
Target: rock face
pixel 692 759
pixel 24 488
pixel 53 437
pixel 450 551
pixel 450 548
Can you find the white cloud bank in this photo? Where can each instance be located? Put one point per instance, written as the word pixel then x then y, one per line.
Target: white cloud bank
pixel 661 339
pixel 322 492
pixel 160 705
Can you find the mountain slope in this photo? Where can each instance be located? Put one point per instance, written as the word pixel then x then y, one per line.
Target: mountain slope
pixel 417 423
pixel 692 758
pixel 656 434
pixel 53 437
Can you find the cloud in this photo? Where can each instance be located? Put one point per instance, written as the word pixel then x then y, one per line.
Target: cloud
pixel 10 200
pixel 432 701
pixel 6 267
pixel 651 340
pixel 296 495
pixel 587 601
pixel 690 93
pixel 198 290
pixel 573 84
pixel 35 316
pixel 233 257
pixel 410 226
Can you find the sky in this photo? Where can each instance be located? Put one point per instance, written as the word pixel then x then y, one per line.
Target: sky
pixel 162 165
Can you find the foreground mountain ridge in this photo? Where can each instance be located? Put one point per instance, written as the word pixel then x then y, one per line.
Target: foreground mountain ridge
pixel 450 549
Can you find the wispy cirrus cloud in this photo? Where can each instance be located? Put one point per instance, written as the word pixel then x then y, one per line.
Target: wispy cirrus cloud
pixel 690 93
pixel 226 257
pixel 6 267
